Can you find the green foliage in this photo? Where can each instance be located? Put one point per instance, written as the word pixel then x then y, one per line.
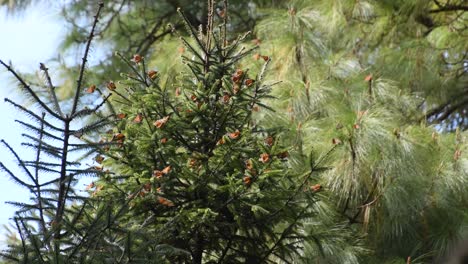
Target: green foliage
pixel 207 183
pixel 370 106
pixel 391 171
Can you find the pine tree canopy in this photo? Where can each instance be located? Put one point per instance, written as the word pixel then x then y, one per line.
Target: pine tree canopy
pixel 302 131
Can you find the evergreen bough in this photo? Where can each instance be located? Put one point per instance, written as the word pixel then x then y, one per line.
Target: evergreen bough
pixel 60 224
pixel 206 183
pixel 184 175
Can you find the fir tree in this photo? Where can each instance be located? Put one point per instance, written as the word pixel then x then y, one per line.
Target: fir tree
pixel 206 183
pixel 60 224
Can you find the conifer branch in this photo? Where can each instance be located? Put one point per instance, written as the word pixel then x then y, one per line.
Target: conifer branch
pixel 64 183
pixel 30 92
pixel 447 7
pixel 209 32
pixel 38 130
pixel 132 67
pixel 35 116
pixel 192 31
pixel 85 60
pixel 442 112
pixel 23 239
pixel 20 162
pixel 225 21
pixel 52 91
pixel 38 157
pixel 12 175
pixel 86 111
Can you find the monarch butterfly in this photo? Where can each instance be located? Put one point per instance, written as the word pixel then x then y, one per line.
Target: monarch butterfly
pixel 336 141
pixel 138 118
pixel 91 89
pixel 249 164
pixel 147 187
pixel 111 86
pixel 99 159
pixel 118 136
pixel 166 170
pixel 161 122
pixel 221 141
pixel 226 98
pixel 192 163
pixel 316 187
pixel 269 141
pixel 249 82
pixel 137 58
pixel 152 74
pixel 264 157
pixel 121 115
pixel 235 134
pixel 158 174
pixel 247 180
pixel 89 186
pixel 165 201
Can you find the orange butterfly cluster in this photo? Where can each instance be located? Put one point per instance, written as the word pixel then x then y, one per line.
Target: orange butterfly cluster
pixel 234 134
pixel 146 189
pixel 119 137
pixel 91 89
pixel 237 77
pixel 249 82
pixel 138 118
pixel 315 188
pixel 226 98
pixel 249 165
pixel 165 201
pixel 121 115
pixel 264 158
pixel 221 141
pixel 161 122
pixel 111 86
pixel 192 163
pixel 336 141
pixel 258 56
pixel 152 74
pixel 247 180
pixel 99 159
pixel 269 141
pixel 137 58
pixel 98 189
pixel 90 186
pixel 159 174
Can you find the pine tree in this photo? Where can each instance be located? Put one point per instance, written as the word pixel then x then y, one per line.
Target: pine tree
pixel 206 183
pixel 367 89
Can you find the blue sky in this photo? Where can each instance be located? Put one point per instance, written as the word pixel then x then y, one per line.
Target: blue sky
pixel 28 38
